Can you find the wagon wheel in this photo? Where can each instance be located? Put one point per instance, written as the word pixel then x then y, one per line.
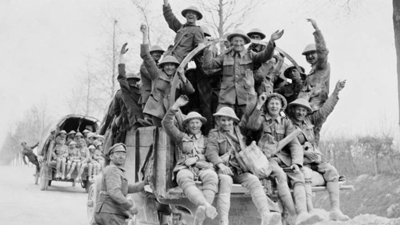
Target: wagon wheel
pixel 91 203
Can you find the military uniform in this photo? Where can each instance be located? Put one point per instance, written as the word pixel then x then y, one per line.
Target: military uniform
pixel 234 65
pixel 112 206
pixel 187 36
pixel 158 101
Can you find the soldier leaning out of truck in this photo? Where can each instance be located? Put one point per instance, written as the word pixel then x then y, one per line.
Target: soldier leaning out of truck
pixel 303 117
pixel 192 162
pixel 27 151
pixel 113 207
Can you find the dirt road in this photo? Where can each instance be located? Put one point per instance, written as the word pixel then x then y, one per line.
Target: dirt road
pixel 21 201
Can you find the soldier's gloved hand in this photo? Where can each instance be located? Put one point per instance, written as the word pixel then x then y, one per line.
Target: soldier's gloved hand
pixel 191 161
pixel 224 169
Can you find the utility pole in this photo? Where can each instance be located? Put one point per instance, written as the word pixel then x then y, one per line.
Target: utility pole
pixel 114 61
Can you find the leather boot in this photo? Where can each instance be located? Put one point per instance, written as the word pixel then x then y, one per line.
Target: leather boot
pixel 335 213
pixel 303 217
pixel 224 198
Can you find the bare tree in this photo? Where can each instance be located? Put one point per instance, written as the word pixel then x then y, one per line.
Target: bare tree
pixel 396 27
pixel 227 14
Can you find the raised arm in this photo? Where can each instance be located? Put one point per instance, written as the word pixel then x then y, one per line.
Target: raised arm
pixel 322 50
pixel 185 85
pixel 168 120
pixel 148 61
pixel 268 52
pixel 169 16
pixel 256 119
pixel 321 114
pixel 251 101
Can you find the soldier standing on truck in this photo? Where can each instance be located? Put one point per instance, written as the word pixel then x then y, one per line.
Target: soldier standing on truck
pixel 28 152
pixel 188 35
pixel 113 207
pixel 234 63
pixel 317 55
pixel 301 114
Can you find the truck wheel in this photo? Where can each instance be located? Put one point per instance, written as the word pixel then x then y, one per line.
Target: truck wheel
pixel 91 203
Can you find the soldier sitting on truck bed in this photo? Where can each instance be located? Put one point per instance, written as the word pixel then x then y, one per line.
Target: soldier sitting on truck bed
pixel 192 163
pixel 271 128
pixel 224 143
pixel 60 154
pixel 73 159
pixel 85 162
pixel 304 118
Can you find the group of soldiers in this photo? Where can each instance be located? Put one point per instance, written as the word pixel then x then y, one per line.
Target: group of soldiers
pixel 232 98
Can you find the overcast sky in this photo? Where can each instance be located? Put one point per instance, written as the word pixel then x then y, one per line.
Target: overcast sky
pixel 43 45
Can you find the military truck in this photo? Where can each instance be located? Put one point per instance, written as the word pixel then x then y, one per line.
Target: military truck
pixel 152 155
pixel 46 148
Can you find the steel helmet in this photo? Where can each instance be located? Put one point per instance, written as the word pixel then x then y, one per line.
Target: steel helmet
pixel 194 9
pixel 156 48
pixel 239 33
pixel 194 115
pixel 79 134
pixel 133 76
pixel 72 143
pixel 256 31
pixel 63 132
pixel 301 102
pixel 71 132
pixel 283 100
pixel 289 69
pixel 206 31
pixel 310 48
pixel 228 112
pixel 169 59
pixel 86 131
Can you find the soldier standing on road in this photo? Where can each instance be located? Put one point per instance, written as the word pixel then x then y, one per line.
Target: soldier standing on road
pixel 27 151
pixel 113 207
pixel 188 35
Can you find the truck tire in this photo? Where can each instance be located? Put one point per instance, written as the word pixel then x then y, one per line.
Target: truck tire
pixel 91 203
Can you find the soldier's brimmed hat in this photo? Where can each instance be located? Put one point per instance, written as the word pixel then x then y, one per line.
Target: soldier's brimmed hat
pixel 228 112
pixel 79 134
pixel 119 147
pixel 91 135
pixel 169 59
pixel 193 115
pixel 280 97
pixel 301 102
pixel 156 48
pixel 72 143
pixel 85 131
pixel 72 132
pixel 91 147
pixel 256 31
pixel 98 136
pixel 133 76
pixel 194 9
pixel 309 48
pixel 62 132
pixel 239 33
pixel 287 71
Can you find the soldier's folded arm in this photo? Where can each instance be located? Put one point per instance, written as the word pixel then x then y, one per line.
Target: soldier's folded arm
pixel 212 150
pixel 113 184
